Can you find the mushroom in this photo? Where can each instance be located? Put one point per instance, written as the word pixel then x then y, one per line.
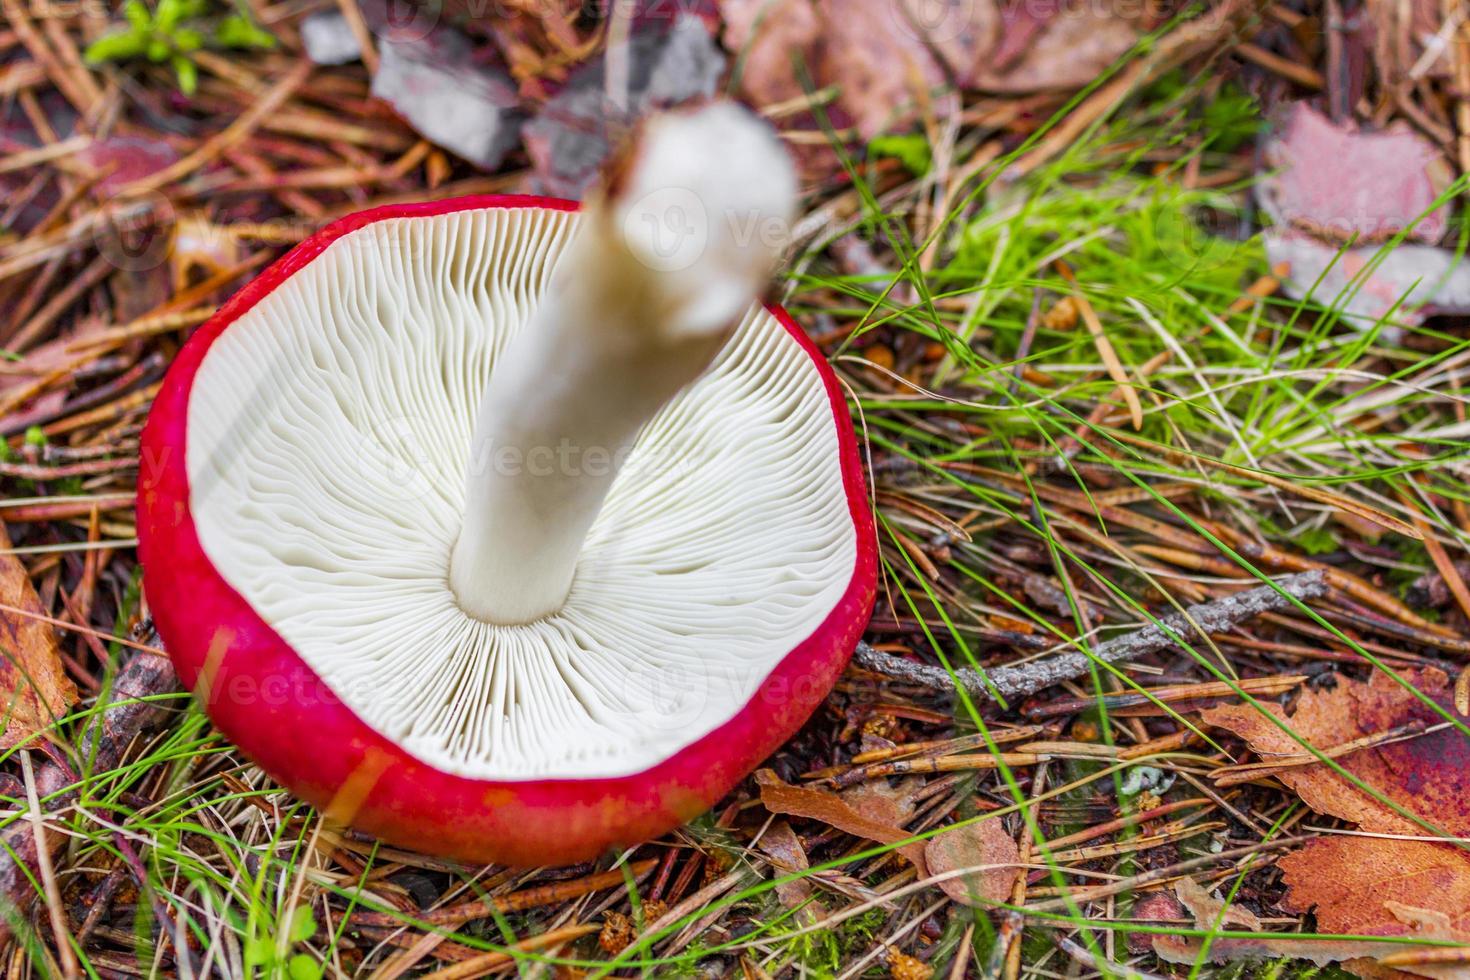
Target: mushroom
pixel 510 531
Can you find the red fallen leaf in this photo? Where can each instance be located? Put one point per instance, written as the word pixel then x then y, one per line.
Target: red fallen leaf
pixel 1372 885
pixel 124 159
pixel 814 804
pixel 1342 183
pixel 985 846
pixel 1338 874
pixel 34 689
pixel 1428 775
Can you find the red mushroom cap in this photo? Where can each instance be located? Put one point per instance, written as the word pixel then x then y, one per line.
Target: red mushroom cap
pixel 269 701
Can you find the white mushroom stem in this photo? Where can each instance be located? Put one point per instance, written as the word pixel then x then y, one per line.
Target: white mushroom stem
pixel 663 267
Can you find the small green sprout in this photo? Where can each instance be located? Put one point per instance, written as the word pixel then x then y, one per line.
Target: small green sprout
pixel 910 149
pixel 262 952
pixel 171 32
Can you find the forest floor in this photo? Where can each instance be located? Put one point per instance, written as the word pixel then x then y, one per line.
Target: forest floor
pixel 1098 420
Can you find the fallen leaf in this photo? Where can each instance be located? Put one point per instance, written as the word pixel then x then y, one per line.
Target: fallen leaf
pixel 1211 913
pixel 329 39
pixel 1365 884
pixel 883 69
pixel 1404 286
pixel 889 59
pixel 1341 183
pixel 781 843
pixel 1428 775
pixel 984 846
pixel 434 82
pixel 829 808
pixel 884 803
pixel 1064 51
pixel 33 685
pixel 124 159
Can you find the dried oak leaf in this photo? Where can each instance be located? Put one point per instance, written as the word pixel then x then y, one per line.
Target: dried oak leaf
pixel 1366 885
pixel 33 685
pixel 829 808
pixel 984 846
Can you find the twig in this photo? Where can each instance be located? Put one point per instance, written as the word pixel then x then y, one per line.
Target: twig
pixel 1015 682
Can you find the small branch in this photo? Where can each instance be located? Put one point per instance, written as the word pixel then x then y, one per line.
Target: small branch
pixel 1019 681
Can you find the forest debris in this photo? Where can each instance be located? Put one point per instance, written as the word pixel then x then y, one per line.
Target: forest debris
pixel 120 160
pixel 1367 285
pixel 1429 775
pixel 887 60
pixel 435 84
pixel 1065 48
pixel 1336 192
pixel 983 845
pixel 1341 183
pixel 145 675
pixel 329 39
pixel 789 857
pixel 35 687
pixel 1370 884
pixel 578 127
pixel 1211 913
pixel 813 804
pixel 902 966
pixel 1214 617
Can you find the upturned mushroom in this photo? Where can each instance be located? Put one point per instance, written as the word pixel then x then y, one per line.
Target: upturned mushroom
pixel 510 531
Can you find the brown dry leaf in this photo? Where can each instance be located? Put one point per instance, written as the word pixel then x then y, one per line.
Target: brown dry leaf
pixel 1371 885
pixel 35 688
pixel 1070 48
pixel 984 845
pixel 1429 775
pixel 829 808
pixel 781 843
pixel 1336 874
pixel 1210 912
pixel 880 802
pixel 888 58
